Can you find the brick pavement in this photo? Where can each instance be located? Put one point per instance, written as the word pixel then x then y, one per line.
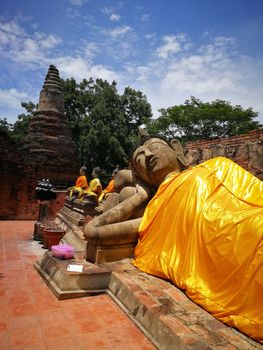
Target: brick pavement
pixel 31 317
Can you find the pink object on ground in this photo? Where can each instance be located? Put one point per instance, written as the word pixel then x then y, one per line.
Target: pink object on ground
pixel 63 251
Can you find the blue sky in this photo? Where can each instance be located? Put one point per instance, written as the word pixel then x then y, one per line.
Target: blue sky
pixel 168 49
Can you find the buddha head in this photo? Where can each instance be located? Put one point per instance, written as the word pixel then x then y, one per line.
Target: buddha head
pixel 96 172
pixel 115 172
pixel 155 158
pixel 83 170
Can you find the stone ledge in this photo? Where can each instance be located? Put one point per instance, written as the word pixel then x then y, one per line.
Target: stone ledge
pixel 92 280
pixel 167 316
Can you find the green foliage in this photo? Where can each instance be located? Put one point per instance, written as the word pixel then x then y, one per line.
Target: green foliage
pixel 77 102
pixel 104 123
pixel 136 108
pixel 20 128
pixel 196 120
pixel 5 127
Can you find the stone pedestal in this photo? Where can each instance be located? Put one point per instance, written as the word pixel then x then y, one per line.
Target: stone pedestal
pixel 43 214
pixel 92 280
pixel 101 253
pixel 72 218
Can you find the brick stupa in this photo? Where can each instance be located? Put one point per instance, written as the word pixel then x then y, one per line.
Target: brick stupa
pixel 51 150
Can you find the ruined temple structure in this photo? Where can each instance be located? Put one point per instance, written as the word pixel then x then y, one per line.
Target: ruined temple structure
pixel 50 147
pixel 49 153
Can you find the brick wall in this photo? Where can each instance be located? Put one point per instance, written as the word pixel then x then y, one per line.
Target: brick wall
pixel 18 180
pixel 246 150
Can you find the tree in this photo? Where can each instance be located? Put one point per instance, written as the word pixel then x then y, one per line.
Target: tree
pixel 104 138
pixel 5 127
pixel 20 128
pixel 78 101
pixel 136 108
pixel 197 120
pixel 104 124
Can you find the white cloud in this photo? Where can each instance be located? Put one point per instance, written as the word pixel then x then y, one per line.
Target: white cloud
pixel 90 50
pixel 10 104
pixel 79 68
pixel 120 31
pixel 11 98
pixel 47 41
pixel 21 47
pixel 145 17
pixel 115 17
pixel 78 2
pixel 212 71
pixel 151 38
pixel 108 10
pixel 172 45
pixel 11 28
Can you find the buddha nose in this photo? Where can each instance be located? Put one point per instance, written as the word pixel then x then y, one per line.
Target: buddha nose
pixel 148 153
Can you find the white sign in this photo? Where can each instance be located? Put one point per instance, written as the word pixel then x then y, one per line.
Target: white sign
pixel 75 268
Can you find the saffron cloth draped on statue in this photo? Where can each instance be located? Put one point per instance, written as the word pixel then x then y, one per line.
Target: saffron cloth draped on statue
pixel 203 230
pixel 82 182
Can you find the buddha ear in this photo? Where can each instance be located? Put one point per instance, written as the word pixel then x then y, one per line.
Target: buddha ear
pixel 177 147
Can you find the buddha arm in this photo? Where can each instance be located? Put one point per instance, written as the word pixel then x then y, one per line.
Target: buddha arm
pixel 116 233
pixel 115 221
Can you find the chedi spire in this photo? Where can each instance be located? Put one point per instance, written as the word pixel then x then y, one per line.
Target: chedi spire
pixel 52 80
pixel 49 137
pixel 51 97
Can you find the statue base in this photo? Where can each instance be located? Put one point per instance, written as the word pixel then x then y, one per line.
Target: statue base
pixel 99 253
pixel 92 280
pixel 71 218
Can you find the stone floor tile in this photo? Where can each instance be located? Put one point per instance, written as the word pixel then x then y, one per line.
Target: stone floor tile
pixel 4 341
pixel 25 337
pixel 20 309
pixel 22 323
pixel 51 317
pixel 63 343
pixel 3 326
pixel 34 346
pixel 51 331
pixel 87 326
pixel 15 298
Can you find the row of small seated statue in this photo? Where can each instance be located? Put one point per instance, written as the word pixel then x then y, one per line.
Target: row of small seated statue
pixel 93 191
pixel 200 227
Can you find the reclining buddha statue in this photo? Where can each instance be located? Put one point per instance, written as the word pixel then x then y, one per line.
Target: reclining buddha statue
pixel 117 227
pixel 202 230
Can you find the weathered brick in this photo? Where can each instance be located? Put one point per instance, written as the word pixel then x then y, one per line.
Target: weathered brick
pixel 178 327
pixel 207 335
pixel 238 340
pixel 146 299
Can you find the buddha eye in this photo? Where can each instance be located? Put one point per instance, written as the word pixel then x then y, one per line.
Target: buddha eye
pixel 139 159
pixel 156 146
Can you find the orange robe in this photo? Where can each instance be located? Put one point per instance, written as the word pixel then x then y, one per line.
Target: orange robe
pixel 82 182
pixel 204 231
pixel 110 187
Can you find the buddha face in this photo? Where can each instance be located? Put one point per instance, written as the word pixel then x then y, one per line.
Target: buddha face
pixel 154 160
